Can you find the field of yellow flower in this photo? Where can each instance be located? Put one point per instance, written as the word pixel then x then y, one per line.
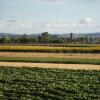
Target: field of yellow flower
pixel 91 49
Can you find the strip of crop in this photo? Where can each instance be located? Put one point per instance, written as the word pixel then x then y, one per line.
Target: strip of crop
pixel 53 45
pixel 51 60
pixel 48 84
pixel 95 49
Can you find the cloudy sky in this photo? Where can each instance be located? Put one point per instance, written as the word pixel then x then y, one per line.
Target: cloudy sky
pixel 55 16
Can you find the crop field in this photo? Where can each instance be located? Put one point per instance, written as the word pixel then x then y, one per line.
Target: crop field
pixel 52 45
pixel 51 60
pixel 48 84
pixel 89 67
pixel 50 55
pixel 50 72
pixel 59 49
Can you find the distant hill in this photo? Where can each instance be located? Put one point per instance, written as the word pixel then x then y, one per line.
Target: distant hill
pixel 9 35
pixel 97 34
pixel 93 34
pixel 81 34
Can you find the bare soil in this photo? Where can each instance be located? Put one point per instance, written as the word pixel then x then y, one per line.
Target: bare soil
pixel 50 55
pixel 51 65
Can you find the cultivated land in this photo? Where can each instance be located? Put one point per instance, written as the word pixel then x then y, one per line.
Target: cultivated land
pixel 52 65
pixel 49 55
pixel 60 54
pixel 48 84
pixel 52 72
pixel 50 49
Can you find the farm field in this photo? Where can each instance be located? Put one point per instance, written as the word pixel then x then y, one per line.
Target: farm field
pixel 50 72
pixel 52 65
pixel 51 44
pixel 50 49
pixel 49 55
pixel 51 60
pixel 48 84
pixel 68 54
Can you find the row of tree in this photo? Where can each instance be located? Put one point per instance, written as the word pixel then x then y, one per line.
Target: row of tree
pixel 45 37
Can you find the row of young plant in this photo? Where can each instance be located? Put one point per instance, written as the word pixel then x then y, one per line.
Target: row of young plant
pixel 48 84
pixel 51 60
pixel 95 49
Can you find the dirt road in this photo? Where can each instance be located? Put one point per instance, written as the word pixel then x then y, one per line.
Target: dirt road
pixel 51 65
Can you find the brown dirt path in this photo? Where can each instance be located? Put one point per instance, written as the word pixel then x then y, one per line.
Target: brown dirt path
pixel 51 65
pixel 49 55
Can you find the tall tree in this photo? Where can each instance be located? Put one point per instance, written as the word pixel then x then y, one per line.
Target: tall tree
pixel 24 39
pixel 4 39
pixel 45 37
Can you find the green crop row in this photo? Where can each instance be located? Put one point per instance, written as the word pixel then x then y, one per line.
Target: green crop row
pixel 48 84
pixel 51 60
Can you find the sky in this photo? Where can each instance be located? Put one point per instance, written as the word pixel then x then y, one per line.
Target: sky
pixel 54 16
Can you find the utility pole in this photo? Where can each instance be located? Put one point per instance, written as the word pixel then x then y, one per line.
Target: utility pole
pixel 71 37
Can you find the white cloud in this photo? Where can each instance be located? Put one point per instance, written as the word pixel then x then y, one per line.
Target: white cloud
pixel 15 24
pixel 87 20
pixel 29 27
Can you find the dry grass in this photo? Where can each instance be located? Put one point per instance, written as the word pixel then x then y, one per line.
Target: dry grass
pixel 49 65
pixel 50 55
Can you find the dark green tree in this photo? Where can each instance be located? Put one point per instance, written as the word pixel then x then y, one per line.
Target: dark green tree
pixel 4 39
pixel 45 37
pixel 24 39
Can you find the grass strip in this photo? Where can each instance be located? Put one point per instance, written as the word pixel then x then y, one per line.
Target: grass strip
pixel 51 60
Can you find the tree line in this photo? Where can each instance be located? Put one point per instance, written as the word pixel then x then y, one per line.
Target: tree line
pixel 45 37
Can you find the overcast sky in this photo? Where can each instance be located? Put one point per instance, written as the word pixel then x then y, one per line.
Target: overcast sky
pixel 57 16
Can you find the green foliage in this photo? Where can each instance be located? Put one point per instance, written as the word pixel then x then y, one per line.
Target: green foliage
pixel 4 39
pixel 52 60
pixel 46 37
pixel 48 84
pixel 24 39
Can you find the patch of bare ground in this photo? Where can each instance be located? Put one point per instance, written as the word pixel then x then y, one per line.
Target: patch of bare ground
pixel 51 65
pixel 50 55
